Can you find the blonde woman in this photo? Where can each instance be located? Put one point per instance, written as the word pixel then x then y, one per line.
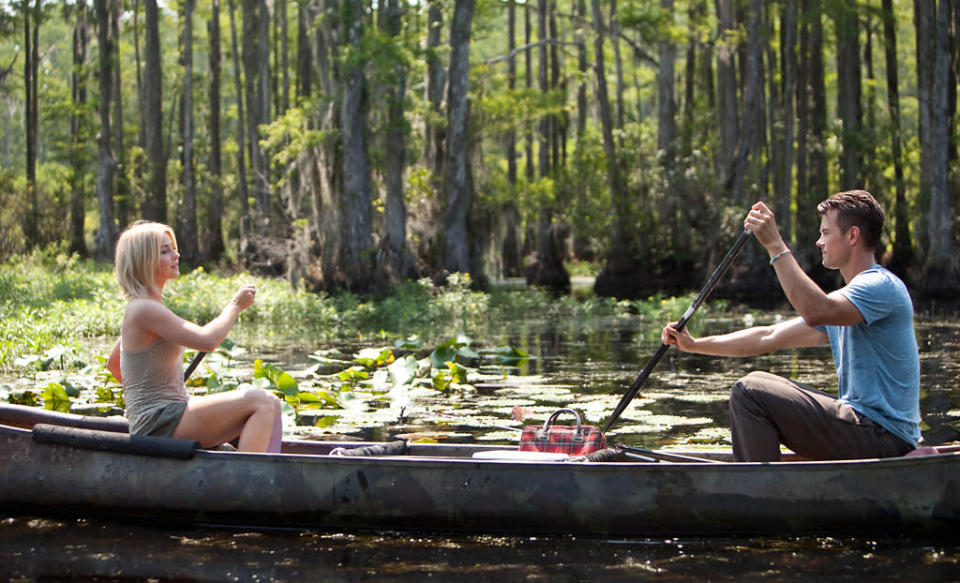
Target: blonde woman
pixel 148 357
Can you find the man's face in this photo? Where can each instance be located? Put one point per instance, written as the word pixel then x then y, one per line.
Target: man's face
pixel 833 243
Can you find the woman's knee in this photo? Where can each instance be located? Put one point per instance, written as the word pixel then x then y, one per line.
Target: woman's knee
pixel 262 400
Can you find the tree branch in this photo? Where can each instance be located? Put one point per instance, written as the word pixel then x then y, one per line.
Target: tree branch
pixel 526 47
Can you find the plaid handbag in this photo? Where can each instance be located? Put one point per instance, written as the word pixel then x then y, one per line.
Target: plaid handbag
pixel 575 441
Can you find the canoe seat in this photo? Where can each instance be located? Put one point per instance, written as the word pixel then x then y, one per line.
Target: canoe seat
pixel 111 441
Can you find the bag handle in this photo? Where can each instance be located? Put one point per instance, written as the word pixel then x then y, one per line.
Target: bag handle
pixel 553 417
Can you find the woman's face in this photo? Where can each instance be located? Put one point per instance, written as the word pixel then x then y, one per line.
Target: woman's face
pixel 169 267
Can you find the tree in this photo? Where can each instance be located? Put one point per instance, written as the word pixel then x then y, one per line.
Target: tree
pixel 848 93
pixel 357 251
pixel 213 246
pixel 456 185
pixel 121 187
pixel 940 264
pixel 78 129
pixel 616 279
pixel 31 79
pixel 155 206
pixel 902 245
pixel 727 111
pixel 187 211
pixel 107 164
pixel 397 259
pixel 242 192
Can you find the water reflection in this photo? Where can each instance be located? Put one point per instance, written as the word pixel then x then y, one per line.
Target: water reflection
pixel 587 365
pixel 90 549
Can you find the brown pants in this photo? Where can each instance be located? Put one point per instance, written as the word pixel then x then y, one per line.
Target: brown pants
pixel 767 410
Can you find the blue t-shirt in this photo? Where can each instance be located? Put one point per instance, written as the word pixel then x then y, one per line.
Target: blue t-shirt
pixel 878 362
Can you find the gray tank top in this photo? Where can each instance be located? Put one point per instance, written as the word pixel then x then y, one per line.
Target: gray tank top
pixel 152 378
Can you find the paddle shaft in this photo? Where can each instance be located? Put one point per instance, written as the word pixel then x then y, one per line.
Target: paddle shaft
pixel 193 365
pixel 707 289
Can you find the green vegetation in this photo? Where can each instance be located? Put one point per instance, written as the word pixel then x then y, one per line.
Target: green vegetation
pixel 61 314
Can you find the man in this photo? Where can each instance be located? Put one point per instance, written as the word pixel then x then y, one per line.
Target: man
pixel 869 325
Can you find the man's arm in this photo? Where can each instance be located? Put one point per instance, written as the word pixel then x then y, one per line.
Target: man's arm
pixel 814 305
pixel 749 341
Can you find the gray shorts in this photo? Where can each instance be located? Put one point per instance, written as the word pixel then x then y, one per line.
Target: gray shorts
pixel 162 421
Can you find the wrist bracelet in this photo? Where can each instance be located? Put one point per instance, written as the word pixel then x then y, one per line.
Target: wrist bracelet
pixel 778 256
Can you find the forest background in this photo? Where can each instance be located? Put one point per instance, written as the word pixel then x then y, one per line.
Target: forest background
pixel 351 145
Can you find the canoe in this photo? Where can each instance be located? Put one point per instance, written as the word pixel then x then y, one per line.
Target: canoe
pixel 57 463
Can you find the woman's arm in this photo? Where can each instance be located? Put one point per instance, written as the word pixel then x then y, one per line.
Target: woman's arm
pixel 113 362
pixel 147 319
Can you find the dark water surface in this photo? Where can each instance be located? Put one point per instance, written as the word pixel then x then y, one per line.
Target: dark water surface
pixel 587 364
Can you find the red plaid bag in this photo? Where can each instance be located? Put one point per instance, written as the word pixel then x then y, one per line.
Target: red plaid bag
pixel 579 440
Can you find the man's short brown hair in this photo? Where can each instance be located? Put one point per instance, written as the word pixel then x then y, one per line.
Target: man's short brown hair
pixel 857 208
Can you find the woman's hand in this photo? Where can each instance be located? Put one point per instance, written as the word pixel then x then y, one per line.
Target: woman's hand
pixel 244 297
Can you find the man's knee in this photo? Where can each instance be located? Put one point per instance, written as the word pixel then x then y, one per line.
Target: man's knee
pixel 746 388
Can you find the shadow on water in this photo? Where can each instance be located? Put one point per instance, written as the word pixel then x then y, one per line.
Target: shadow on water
pixel 46 549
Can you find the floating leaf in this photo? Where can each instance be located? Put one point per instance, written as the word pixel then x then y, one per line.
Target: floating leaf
pixel 55 398
pixel 403 371
pixel 374 357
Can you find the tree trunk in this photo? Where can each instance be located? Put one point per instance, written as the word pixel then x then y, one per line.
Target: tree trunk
pixel 357 259
pixel 617 276
pixel 727 103
pixel 155 206
pixel 397 260
pixel 788 27
pixel 667 133
pixel 281 8
pixel 618 68
pixel 256 59
pixel 546 269
pixel 436 80
pixel 242 193
pixel 902 257
pixel 304 62
pixel 582 248
pixel 187 210
pixel 213 245
pixel 752 96
pixel 666 103
pixel 106 166
pixel 456 186
pixel 31 17
pixel 122 194
pixel 940 264
pixel 848 93
pixel 511 255
pixel 78 131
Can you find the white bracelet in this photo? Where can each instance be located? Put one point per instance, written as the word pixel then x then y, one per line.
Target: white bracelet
pixel 778 256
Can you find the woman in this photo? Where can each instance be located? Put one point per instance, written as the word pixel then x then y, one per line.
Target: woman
pixel 148 357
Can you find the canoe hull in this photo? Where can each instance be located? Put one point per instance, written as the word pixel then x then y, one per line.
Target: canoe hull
pixel 455 493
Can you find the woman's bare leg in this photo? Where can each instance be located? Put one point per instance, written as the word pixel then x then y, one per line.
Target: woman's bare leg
pixel 252 414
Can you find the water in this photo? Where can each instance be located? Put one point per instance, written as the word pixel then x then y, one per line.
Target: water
pixel 587 363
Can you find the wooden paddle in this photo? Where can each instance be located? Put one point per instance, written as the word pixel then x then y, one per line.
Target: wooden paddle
pixel 707 289
pixel 193 365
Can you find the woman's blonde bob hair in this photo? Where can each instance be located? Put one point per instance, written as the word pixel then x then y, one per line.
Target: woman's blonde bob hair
pixel 137 260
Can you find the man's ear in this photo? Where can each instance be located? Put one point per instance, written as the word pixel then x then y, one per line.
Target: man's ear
pixel 853 235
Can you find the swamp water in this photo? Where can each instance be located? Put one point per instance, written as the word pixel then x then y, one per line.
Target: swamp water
pixel 588 364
